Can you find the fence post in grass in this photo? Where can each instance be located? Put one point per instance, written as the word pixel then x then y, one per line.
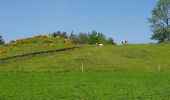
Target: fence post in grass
pixel 82 67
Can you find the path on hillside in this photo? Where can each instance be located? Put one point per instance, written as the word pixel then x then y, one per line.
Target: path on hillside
pixel 36 53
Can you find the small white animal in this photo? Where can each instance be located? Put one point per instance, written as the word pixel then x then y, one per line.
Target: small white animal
pixel 101 45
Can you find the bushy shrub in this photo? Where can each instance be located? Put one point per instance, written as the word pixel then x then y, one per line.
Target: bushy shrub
pixel 67 41
pixel 58 37
pixel 49 37
pixel 111 41
pixel 2 51
pixel 23 41
pixel 12 43
pixel 59 33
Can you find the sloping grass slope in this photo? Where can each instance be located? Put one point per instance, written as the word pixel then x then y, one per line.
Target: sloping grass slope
pixel 131 72
pixel 131 58
pixel 33 44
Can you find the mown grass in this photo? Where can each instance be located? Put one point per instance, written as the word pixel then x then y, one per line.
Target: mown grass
pixel 128 72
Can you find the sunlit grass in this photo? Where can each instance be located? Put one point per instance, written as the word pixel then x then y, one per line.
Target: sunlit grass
pixel 110 72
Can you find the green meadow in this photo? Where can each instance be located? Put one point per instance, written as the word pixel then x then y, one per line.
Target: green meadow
pixel 89 65
pixel 91 72
pixel 84 86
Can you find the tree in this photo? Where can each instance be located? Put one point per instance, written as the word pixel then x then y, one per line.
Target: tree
pixel 160 21
pixel 101 38
pixel 93 37
pixel 73 38
pixel 64 34
pixel 83 38
pixel 110 40
pixel 1 40
pixel 59 33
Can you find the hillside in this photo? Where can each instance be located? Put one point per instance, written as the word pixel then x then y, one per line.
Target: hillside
pixel 131 72
pixel 34 44
pixel 144 57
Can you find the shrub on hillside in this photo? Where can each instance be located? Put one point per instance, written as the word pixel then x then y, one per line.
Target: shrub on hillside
pixel 67 41
pixel 59 33
pixel 23 41
pixel 83 38
pixel 73 39
pixel 49 42
pixel 12 43
pixel 111 41
pixel 58 37
pixel 2 51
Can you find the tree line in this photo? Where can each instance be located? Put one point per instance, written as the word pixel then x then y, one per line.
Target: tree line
pixel 81 38
pixel 85 38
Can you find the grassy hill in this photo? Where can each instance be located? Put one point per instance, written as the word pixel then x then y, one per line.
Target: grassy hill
pixel 131 72
pixel 33 44
pixel 131 58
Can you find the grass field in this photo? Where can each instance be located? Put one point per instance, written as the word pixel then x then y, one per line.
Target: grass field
pixel 131 72
pixel 84 86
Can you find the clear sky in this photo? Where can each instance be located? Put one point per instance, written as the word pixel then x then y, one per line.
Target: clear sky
pixel 120 19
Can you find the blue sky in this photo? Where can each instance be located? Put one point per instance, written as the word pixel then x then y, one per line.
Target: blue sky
pixel 120 19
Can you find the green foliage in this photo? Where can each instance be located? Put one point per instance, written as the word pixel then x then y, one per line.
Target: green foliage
pixel 98 37
pixel 1 40
pixel 93 39
pixel 161 34
pixel 2 51
pixel 59 33
pixel 83 38
pixel 111 41
pixel 74 39
pixel 160 21
pixel 90 38
pixel 101 38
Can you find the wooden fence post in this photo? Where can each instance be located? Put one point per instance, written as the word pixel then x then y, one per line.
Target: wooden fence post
pixel 159 67
pixel 82 67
